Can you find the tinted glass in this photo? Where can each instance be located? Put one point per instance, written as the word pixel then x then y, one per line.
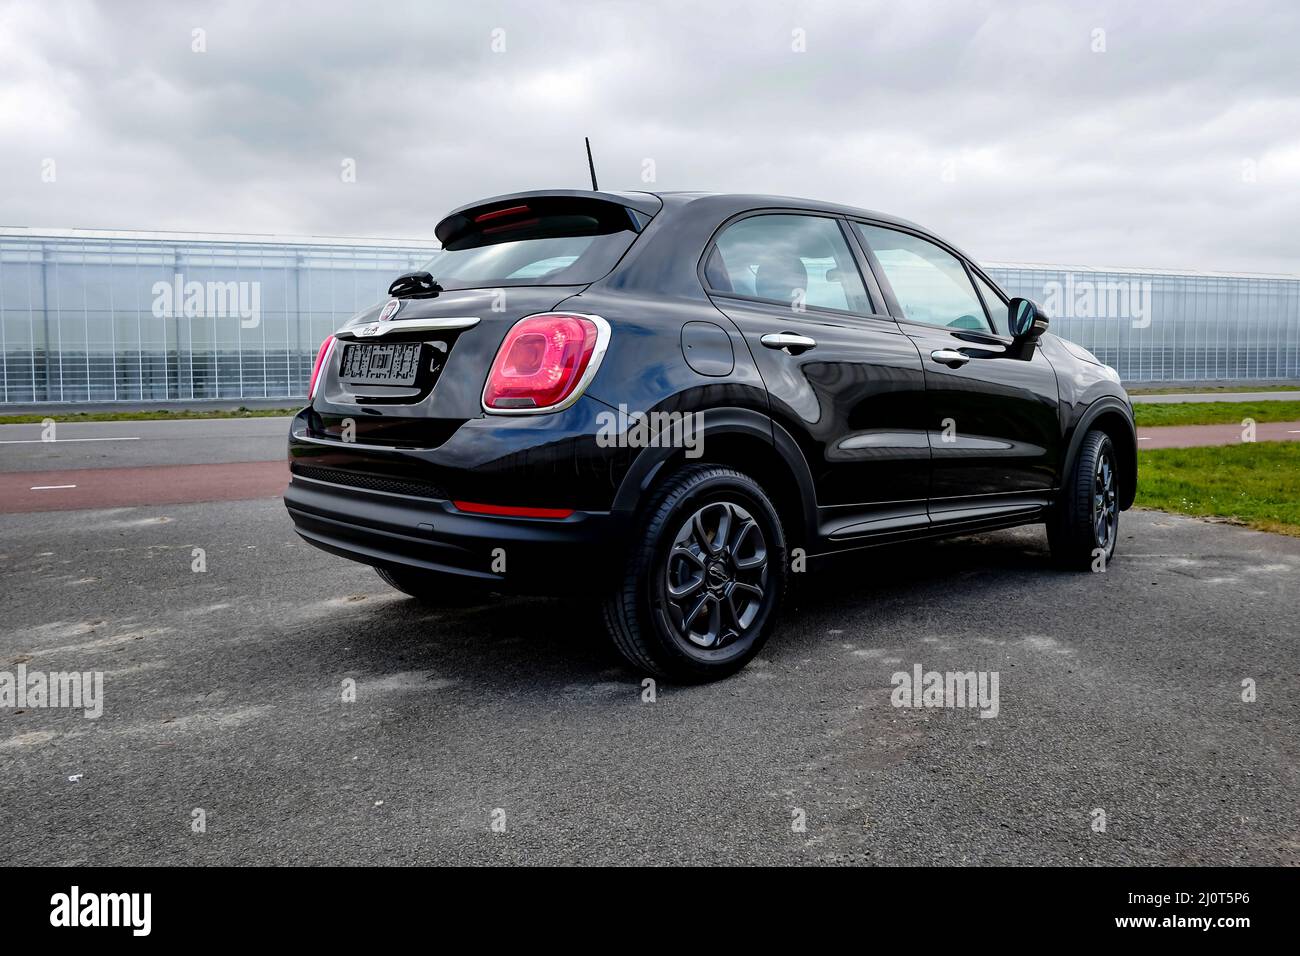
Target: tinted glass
pixel 540 242
pixel 997 306
pixel 931 284
pixel 788 258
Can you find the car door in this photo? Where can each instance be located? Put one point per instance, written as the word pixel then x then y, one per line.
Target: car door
pixel 842 378
pixel 993 407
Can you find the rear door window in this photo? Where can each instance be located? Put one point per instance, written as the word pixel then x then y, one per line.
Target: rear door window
pixel 787 258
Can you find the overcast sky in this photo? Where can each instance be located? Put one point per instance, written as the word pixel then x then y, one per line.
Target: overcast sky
pixel 1134 134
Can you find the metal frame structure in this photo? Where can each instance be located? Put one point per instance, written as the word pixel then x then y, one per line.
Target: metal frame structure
pixel 79 317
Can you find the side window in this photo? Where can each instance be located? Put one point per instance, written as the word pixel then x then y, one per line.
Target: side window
pixel 996 305
pixel 931 285
pixel 787 259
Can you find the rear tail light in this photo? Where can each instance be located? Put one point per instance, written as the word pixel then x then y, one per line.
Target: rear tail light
pixel 322 356
pixel 545 363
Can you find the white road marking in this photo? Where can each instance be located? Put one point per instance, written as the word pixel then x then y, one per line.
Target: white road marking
pixel 58 441
pixel 50 487
pixel 1148 438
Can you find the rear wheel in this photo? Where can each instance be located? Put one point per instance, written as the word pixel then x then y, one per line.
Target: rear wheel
pixel 704 578
pixel 1085 525
pixel 433 588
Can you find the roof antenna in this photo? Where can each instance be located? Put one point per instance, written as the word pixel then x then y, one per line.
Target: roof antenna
pixel 591 165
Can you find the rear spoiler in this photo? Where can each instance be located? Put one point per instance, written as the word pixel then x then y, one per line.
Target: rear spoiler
pixel 637 207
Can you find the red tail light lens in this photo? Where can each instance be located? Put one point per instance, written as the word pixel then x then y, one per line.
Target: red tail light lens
pixel 545 362
pixel 322 355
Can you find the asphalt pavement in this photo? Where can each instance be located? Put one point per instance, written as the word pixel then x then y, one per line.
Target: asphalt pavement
pixel 142 444
pixel 303 712
pixel 88 465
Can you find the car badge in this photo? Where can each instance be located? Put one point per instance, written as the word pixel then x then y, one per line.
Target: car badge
pixel 390 309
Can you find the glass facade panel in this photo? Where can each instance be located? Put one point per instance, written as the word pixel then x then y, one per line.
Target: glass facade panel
pixel 1170 327
pixel 153 317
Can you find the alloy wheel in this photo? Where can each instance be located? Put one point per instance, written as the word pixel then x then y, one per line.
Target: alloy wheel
pixel 717 575
pixel 1105 502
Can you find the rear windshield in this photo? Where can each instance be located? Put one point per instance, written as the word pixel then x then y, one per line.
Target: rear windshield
pixel 533 242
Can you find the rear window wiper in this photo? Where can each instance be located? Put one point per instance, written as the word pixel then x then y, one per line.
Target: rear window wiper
pixel 414 285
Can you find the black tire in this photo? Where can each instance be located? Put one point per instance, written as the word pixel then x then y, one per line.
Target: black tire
pixel 1086 518
pixel 675 564
pixel 432 588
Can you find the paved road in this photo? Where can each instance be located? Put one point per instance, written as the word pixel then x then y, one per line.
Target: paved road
pixel 123 464
pixel 141 444
pixel 1188 436
pixel 63 409
pixel 57 409
pixel 30 491
pixel 1216 397
pixel 1118 691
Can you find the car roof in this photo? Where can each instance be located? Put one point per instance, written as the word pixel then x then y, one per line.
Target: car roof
pixel 727 204
pixel 740 202
pixel 716 206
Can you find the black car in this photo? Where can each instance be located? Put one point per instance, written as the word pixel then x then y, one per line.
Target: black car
pixel 670 402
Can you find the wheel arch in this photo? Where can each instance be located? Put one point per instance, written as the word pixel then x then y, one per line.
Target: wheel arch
pixel 1112 416
pixel 751 443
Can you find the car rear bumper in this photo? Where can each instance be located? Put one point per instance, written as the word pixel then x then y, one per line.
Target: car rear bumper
pixel 522 555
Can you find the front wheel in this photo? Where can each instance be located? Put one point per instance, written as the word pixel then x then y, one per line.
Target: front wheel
pixel 703 578
pixel 1084 529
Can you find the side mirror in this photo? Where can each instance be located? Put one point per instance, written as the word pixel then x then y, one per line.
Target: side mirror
pixel 1026 319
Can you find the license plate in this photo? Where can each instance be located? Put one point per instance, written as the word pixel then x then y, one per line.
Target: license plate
pixel 389 363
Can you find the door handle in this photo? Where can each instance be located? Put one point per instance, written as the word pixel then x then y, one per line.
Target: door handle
pixel 792 343
pixel 950 357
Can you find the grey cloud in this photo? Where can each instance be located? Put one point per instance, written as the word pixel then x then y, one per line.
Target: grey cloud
pixel 1134 156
